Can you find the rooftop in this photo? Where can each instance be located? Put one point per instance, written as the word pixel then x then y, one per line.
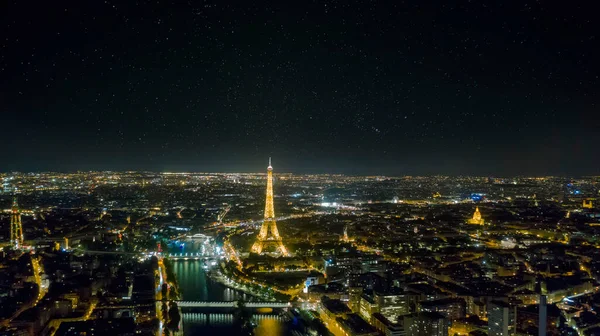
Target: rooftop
pixel 357 324
pixel 335 306
pixel 442 302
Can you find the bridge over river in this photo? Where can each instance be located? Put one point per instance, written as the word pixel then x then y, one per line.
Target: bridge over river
pixel 207 305
pixel 232 304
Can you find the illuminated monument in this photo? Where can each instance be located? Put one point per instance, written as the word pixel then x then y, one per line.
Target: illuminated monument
pixel 16 229
pixel 345 238
pixel 477 220
pixel 269 235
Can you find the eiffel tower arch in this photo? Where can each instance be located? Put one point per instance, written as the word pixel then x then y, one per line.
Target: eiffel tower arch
pixel 269 235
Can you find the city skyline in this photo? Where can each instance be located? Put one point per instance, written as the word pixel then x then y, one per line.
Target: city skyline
pixel 344 254
pixel 390 89
pixel 308 172
pixel 431 168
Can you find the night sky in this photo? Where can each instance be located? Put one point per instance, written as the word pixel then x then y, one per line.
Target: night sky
pixel 372 87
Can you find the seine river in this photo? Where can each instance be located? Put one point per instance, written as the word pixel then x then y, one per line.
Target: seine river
pixel 195 285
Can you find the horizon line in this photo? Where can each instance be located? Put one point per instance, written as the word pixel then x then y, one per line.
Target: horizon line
pixel 294 173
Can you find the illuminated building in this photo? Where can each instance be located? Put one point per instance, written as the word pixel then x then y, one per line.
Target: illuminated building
pixel 477 220
pixel 451 308
pixel 502 319
pixel 425 324
pixel 387 327
pixel 395 302
pixel 368 306
pixel 310 281
pixel 348 267
pixel 354 297
pixel 556 289
pixel 269 235
pixel 16 229
pixel 508 243
pixel 588 203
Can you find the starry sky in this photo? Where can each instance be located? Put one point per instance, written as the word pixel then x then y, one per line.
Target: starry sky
pixel 366 87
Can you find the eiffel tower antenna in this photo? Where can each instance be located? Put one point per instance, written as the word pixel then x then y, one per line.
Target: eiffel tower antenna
pixel 269 235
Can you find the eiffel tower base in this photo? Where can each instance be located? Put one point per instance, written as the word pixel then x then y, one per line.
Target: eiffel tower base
pixel 260 246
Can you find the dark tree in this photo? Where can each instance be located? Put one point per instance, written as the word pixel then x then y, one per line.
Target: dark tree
pixel 165 291
pixel 174 317
pixel 243 318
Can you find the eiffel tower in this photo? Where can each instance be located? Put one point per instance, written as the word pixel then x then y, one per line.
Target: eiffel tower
pixel 269 235
pixel 16 229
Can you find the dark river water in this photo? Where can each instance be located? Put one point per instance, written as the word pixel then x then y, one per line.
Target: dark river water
pixel 195 285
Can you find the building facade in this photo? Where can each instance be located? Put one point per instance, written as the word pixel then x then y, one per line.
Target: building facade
pixel 502 319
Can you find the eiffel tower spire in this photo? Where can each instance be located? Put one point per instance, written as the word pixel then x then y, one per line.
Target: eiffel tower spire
pixel 269 208
pixel 16 229
pixel 269 235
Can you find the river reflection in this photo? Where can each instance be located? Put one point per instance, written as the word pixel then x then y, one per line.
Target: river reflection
pixel 195 285
pixel 269 327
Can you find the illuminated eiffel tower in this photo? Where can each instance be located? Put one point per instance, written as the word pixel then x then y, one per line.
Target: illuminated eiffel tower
pixel 269 235
pixel 16 229
pixel 345 238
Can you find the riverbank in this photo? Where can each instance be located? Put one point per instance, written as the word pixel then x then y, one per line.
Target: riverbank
pixel 171 279
pixel 217 276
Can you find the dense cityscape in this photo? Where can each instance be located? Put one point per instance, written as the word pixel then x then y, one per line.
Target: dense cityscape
pixel 143 253
pixel 312 168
